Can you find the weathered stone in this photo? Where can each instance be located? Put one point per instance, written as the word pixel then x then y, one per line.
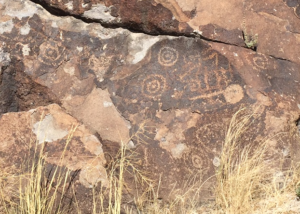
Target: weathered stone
pixel 18 92
pixel 52 126
pixel 275 23
pixel 66 144
pixel 173 97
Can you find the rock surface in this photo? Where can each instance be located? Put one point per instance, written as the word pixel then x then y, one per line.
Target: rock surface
pixel 67 143
pixel 172 97
pixel 275 22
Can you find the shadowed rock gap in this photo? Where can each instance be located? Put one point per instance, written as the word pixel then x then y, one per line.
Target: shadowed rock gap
pixel 298 124
pixel 19 92
pixel 132 27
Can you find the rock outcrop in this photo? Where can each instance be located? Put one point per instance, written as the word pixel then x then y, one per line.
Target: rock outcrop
pixel 170 96
pixel 66 143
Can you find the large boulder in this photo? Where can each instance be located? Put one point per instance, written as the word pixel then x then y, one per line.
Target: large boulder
pixel 64 142
pixel 169 97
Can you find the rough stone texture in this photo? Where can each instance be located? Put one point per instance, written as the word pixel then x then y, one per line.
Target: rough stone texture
pixel 276 22
pixel 81 150
pixel 173 96
pixel 18 92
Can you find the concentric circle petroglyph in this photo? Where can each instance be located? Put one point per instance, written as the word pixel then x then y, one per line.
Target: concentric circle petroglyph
pixel 51 53
pixel 167 56
pixel 154 85
pixel 197 161
pixel 211 136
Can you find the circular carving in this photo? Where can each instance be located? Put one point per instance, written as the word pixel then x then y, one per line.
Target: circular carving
pixel 154 85
pixel 51 53
pixel 211 136
pixel 197 162
pixel 192 85
pixel 197 158
pixel 260 61
pixel 167 56
pixel 233 94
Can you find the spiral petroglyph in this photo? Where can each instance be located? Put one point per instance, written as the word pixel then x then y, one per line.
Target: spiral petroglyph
pixel 51 53
pixel 259 61
pixel 154 85
pixel 193 85
pixel 197 161
pixel 167 56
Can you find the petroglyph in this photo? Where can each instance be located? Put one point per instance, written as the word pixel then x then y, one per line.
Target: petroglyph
pixel 99 66
pixel 51 53
pixel 258 60
pixel 196 159
pixel 167 56
pixel 207 132
pixel 233 94
pixel 208 80
pixel 154 85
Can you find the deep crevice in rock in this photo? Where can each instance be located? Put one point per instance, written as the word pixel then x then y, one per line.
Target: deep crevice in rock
pixel 298 125
pixel 133 27
pixel 279 58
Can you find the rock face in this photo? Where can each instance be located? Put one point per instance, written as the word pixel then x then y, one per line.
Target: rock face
pixel 275 23
pixel 64 137
pixel 171 97
pixel 18 92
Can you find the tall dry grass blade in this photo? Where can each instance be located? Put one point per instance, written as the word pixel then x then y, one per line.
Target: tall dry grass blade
pixel 242 168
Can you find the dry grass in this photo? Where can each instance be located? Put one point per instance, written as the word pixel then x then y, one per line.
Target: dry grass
pixel 246 182
pixel 242 171
pixel 38 193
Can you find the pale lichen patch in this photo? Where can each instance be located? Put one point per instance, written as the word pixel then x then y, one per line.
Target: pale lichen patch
pixel 69 5
pixel 47 130
pixel 178 150
pixel 6 27
pixel 140 45
pixel 25 50
pixel 24 30
pixel 100 12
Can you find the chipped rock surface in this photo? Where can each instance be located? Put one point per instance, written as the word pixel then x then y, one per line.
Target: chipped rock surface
pixel 276 23
pixel 171 97
pixel 67 143
pixel 53 126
